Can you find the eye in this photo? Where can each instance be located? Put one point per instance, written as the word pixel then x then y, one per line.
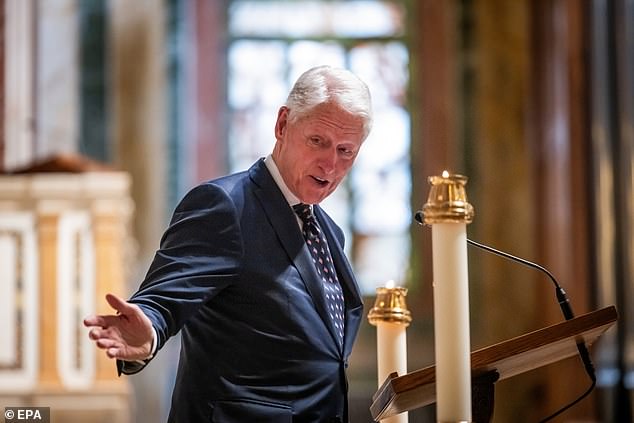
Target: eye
pixel 346 152
pixel 314 140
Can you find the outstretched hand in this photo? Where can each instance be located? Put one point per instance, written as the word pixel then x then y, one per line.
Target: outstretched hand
pixel 125 336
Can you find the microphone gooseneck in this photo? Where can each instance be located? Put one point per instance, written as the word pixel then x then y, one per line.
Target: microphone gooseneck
pixel 562 299
pixel 566 310
pixel 564 305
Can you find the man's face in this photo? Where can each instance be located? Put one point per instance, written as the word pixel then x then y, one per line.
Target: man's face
pixel 315 153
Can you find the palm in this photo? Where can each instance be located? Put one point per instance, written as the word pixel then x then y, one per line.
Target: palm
pixel 130 331
pixel 126 335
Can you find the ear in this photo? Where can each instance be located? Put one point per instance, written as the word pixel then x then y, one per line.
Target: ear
pixel 281 123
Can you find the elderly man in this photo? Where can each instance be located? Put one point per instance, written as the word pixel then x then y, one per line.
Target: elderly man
pixel 252 272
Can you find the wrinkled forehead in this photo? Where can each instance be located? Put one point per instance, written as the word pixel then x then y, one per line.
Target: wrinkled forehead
pixel 332 117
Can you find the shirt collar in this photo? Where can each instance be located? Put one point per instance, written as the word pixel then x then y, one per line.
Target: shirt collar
pixel 277 177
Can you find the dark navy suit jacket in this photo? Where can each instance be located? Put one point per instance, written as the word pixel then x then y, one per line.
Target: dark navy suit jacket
pixel 234 276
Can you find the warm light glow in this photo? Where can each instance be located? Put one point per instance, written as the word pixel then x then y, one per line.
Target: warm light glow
pixel 445 174
pixel 389 284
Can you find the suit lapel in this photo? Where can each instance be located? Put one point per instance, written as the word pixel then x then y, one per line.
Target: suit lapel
pixel 283 220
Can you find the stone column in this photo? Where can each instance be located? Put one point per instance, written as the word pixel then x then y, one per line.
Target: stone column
pixel 17 86
pixel 57 77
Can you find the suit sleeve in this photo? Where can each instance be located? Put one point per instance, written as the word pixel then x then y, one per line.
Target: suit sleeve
pixel 199 255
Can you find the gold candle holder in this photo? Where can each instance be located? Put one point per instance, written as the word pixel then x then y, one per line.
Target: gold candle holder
pixel 447 201
pixel 391 318
pixel 390 306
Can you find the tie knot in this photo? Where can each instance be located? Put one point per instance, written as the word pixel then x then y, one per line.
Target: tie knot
pixel 304 211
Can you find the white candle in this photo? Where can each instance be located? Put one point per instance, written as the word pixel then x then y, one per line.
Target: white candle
pixel 391 318
pixel 391 343
pixel 451 322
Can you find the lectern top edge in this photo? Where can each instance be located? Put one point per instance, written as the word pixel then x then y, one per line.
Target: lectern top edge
pixel 514 356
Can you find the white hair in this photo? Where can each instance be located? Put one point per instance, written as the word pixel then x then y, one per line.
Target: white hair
pixel 324 84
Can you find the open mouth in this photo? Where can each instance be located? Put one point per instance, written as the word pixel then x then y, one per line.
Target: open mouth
pixel 320 182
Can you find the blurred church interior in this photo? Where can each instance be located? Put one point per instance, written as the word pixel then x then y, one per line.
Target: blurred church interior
pixel 111 110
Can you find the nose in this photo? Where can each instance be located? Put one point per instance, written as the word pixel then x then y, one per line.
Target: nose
pixel 328 160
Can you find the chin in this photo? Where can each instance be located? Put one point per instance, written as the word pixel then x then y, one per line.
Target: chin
pixel 316 196
pixel 312 199
pixel 318 199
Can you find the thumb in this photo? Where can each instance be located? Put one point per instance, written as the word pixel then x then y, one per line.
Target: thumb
pixel 119 304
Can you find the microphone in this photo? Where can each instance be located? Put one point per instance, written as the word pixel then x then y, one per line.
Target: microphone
pixel 564 305
pixel 562 299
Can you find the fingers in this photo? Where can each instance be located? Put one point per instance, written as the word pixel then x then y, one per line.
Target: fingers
pixel 105 344
pixel 104 340
pixel 120 353
pixel 92 321
pixel 97 334
pixel 110 345
pixel 122 307
pixel 101 321
pixel 110 341
pixel 113 348
pixel 95 321
pixel 114 353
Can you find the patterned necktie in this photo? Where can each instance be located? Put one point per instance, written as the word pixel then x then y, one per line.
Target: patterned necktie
pixel 318 247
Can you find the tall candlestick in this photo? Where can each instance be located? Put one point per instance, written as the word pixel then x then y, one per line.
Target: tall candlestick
pixel 391 318
pixel 448 212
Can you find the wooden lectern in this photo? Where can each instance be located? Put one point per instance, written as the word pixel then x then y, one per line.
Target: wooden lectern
pixel 496 362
